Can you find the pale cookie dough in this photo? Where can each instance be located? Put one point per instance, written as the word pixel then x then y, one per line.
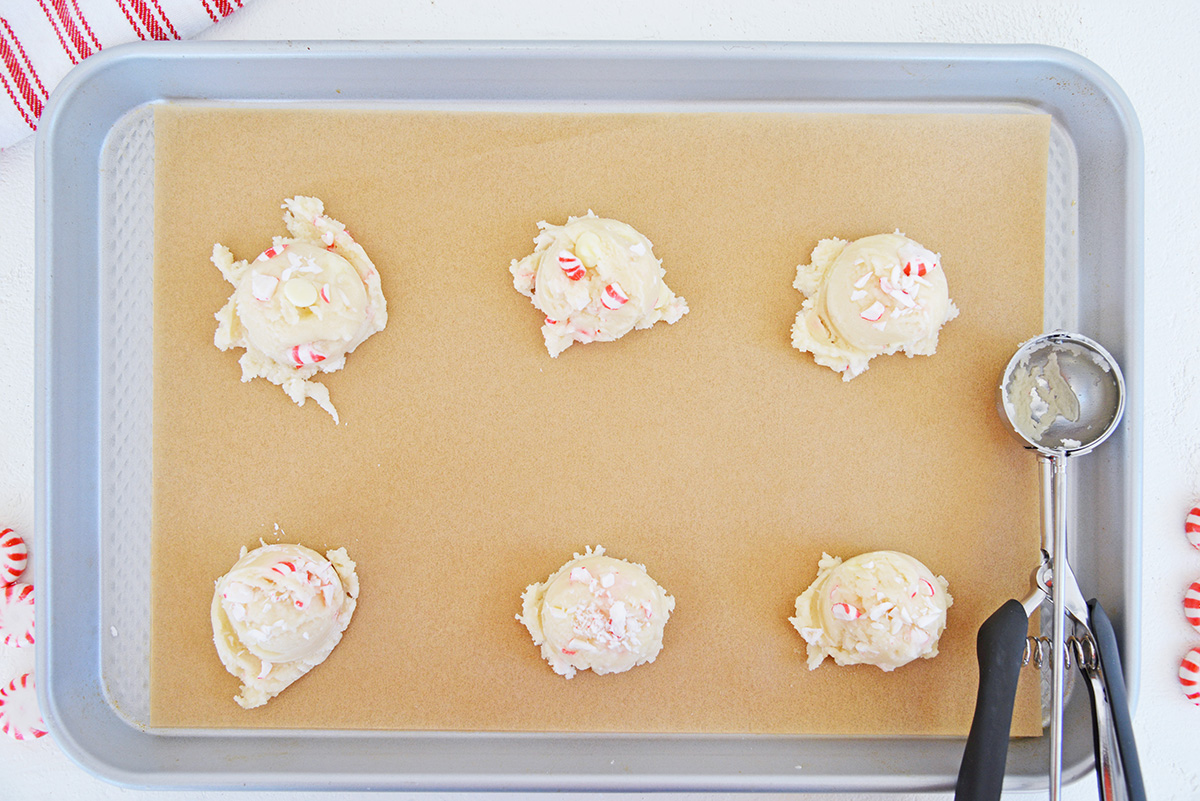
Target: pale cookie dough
pixel 302 305
pixel 278 613
pixel 882 608
pixel 596 612
pixel 871 297
pixel 595 279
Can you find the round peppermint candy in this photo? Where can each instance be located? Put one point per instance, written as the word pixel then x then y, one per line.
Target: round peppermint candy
pixel 1189 675
pixel 19 716
pixel 1191 526
pixel 13 556
pixel 1191 604
pixel 16 615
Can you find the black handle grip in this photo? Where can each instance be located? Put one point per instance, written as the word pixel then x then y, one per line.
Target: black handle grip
pixel 999 645
pixel 1114 680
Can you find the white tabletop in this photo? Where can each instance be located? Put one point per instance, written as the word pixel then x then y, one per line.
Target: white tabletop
pixel 1149 49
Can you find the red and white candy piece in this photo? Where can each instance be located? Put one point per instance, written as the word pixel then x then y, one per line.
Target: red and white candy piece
pixel 919 268
pixel 874 312
pixel 16 615
pixel 271 252
pixel 19 716
pixel 613 297
pixel 306 354
pixel 1191 527
pixel 845 612
pixel 925 588
pixel 287 568
pixel 571 265
pixel 13 556
pixel 1189 675
pixel 1191 605
pixel 263 286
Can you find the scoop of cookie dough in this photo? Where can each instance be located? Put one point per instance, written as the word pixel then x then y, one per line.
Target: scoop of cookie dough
pixel 278 613
pixel 596 612
pixel 302 305
pixel 871 297
pixel 881 608
pixel 595 279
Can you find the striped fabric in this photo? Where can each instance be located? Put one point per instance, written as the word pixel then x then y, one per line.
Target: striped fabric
pixel 40 40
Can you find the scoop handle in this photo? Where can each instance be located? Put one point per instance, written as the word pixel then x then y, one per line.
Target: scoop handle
pixel 998 647
pixel 1114 680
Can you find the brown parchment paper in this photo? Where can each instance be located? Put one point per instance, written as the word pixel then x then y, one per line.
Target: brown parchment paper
pixel 469 463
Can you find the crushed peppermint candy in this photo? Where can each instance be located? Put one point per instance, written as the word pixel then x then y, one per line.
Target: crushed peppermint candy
pixel 917 260
pixel 844 611
pixel 874 312
pixel 602 622
pixel 304 355
pixel 602 614
pixel 613 297
pixel 263 286
pixel 571 265
pixel 271 252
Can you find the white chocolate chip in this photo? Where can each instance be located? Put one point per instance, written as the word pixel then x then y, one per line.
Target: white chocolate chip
pixel 587 249
pixel 300 293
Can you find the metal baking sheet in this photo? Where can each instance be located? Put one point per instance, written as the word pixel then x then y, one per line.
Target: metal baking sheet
pixel 95 223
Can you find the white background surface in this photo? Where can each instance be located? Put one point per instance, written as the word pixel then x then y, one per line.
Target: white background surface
pixel 1150 50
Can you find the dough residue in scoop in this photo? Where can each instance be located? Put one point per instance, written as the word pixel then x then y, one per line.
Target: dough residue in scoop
pixel 881 608
pixel 1038 395
pixel 595 279
pixel 302 305
pixel 596 613
pixel 278 613
pixel 874 296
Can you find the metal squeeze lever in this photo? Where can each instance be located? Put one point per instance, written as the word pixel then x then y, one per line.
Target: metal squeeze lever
pixel 1118 769
pixel 1001 641
pixel 1062 394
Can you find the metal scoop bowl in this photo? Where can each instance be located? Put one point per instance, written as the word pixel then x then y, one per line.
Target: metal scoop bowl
pixel 1062 395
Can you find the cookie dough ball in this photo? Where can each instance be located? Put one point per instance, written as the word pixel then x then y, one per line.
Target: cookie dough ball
pixel 882 608
pixel 302 305
pixel 595 279
pixel 596 613
pixel 278 613
pixel 871 297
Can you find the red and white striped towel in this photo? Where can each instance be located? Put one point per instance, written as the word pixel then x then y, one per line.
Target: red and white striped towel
pixel 40 40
